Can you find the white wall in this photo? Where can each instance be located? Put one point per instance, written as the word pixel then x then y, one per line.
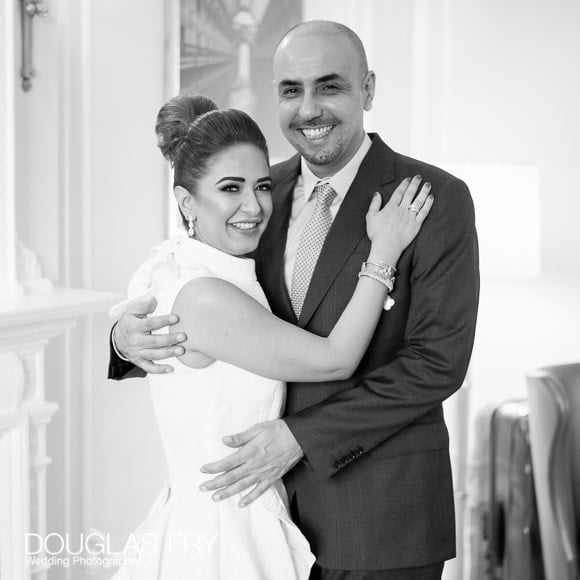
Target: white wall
pixel 514 97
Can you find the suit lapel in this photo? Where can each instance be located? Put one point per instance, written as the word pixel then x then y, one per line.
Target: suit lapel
pixel 273 242
pixel 349 227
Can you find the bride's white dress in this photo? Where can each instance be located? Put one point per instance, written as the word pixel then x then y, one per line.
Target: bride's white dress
pixel 186 534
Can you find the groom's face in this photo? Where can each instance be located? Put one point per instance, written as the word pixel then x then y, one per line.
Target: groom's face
pixel 322 92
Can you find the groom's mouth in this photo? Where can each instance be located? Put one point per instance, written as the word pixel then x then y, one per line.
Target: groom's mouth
pixel 316 133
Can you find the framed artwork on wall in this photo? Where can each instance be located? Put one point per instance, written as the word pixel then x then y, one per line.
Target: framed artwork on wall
pixel 223 49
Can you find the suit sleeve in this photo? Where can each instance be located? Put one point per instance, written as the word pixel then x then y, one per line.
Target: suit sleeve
pixel 120 369
pixel 433 361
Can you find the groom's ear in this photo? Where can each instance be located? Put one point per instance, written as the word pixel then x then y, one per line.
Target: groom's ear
pixel 369 90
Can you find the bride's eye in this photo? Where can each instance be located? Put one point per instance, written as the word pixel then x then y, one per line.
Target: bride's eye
pixel 231 188
pixel 264 187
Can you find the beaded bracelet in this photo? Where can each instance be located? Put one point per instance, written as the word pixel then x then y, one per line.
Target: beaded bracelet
pixel 382 273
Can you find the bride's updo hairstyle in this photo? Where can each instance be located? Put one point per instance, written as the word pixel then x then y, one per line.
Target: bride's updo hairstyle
pixel 191 130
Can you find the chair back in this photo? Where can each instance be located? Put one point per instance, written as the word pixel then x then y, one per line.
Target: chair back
pixel 554 398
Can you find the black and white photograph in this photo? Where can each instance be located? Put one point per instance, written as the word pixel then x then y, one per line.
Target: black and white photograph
pixel 289 290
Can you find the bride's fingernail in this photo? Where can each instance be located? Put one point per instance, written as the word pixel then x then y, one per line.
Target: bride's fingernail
pixel 216 497
pixel 203 488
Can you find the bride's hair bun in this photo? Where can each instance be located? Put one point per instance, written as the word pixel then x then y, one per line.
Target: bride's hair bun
pixel 176 119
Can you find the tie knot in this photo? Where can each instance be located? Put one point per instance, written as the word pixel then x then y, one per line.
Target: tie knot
pixel 324 194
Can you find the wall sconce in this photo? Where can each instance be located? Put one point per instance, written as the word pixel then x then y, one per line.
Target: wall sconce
pixel 28 9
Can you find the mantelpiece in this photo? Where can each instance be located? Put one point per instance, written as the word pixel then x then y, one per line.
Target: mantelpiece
pixel 27 323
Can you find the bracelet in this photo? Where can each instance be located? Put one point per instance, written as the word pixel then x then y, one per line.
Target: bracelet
pixel 382 273
pixel 386 268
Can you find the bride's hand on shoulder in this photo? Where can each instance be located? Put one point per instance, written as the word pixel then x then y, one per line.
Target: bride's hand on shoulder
pixel 392 228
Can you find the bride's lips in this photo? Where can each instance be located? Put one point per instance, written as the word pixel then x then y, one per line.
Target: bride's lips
pixel 245 225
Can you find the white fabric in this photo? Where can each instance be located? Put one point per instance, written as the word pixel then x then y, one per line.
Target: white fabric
pixel 303 201
pixel 311 242
pixel 186 534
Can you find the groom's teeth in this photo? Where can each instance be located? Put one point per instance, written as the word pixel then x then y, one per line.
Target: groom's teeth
pixel 245 225
pixel 317 132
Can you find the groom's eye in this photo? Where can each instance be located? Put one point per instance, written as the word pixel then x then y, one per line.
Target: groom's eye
pixel 330 88
pixel 289 92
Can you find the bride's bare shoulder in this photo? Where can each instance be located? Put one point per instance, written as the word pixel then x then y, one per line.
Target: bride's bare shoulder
pixel 207 293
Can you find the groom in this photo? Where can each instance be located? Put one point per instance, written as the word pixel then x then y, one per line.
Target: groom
pixel 365 460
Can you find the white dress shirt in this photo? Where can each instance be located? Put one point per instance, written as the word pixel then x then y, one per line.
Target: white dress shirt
pixel 304 202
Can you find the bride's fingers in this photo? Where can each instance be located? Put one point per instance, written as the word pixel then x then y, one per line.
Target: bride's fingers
pixel 422 196
pixel 399 192
pixel 375 205
pixel 258 490
pixel 411 191
pixel 424 211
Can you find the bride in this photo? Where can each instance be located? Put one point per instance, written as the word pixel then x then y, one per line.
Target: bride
pixel 237 355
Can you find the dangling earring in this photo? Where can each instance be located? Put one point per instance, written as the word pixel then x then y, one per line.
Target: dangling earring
pixel 190 221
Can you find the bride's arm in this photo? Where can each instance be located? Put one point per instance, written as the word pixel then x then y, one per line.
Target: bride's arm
pixel 226 324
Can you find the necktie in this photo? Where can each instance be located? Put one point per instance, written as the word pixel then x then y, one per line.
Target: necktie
pixel 310 245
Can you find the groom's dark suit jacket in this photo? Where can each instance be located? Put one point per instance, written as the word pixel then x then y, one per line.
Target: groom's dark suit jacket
pixel 374 490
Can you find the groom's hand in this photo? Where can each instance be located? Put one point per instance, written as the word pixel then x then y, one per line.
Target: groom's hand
pixel 265 453
pixel 134 341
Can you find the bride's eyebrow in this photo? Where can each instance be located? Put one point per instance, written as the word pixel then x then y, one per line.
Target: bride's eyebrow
pixel 238 179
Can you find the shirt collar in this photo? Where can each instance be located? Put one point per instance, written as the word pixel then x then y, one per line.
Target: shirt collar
pixel 340 181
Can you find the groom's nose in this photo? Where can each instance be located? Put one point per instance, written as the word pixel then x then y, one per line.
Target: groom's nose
pixel 309 106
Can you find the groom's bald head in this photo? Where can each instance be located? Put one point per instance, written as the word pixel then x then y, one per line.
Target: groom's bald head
pixel 322 28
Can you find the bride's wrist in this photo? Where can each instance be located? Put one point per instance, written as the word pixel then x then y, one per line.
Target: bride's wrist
pixel 389 258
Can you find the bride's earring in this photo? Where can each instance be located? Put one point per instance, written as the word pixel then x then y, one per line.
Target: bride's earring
pixel 190 223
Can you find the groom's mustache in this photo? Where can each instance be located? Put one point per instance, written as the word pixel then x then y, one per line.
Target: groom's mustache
pixel 310 124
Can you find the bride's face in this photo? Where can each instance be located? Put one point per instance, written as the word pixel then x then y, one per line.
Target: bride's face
pixel 233 202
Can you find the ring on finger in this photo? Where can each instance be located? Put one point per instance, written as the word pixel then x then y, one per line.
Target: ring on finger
pixel 413 207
